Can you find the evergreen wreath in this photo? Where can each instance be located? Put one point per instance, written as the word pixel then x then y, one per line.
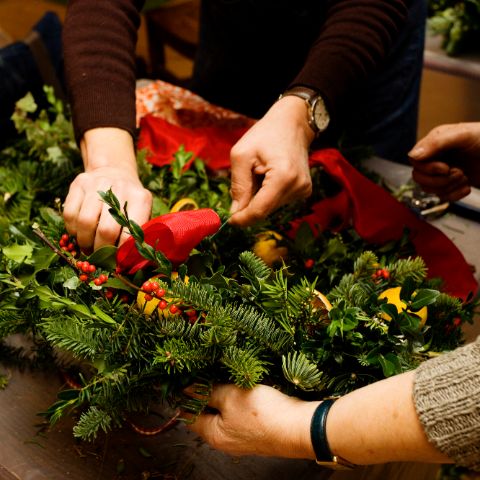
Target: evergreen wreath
pixel 224 315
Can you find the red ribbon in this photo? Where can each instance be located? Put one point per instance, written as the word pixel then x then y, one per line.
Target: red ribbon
pixel 379 218
pixel 174 234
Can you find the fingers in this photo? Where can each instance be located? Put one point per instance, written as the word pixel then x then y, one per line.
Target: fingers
pixel 88 218
pixel 450 188
pixel 440 139
pixel 279 186
pixel 243 182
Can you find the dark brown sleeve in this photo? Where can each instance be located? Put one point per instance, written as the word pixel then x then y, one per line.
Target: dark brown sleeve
pixel 353 41
pixel 99 40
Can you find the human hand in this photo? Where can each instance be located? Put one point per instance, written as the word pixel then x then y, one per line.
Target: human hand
pixel 447 160
pixel 260 421
pixel 109 159
pixel 270 162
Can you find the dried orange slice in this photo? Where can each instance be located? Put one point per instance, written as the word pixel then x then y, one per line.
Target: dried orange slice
pixel 184 204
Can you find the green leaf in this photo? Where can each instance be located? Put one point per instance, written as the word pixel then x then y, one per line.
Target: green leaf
pixel 390 310
pixel 390 364
pixel 70 394
pixel 72 283
pixel 104 257
pixel 27 103
pixel 101 315
pixel 18 253
pixel 117 284
pixel 423 298
pixel 408 287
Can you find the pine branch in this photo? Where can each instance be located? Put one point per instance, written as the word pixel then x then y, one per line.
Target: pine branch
pixel 253 268
pixel 91 422
pixel 410 267
pixel 81 340
pixel 245 367
pixel 300 371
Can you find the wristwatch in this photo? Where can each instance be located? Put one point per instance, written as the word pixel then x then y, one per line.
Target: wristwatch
pixel 318 116
pixel 323 455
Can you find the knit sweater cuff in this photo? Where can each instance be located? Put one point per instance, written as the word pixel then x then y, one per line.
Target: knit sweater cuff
pixel 446 394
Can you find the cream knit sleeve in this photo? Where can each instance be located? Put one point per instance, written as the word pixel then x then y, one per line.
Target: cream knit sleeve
pixel 447 400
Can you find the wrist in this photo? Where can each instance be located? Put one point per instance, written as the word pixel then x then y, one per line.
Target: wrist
pixel 296 109
pixel 108 148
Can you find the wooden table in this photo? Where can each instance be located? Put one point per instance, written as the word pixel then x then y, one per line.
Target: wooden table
pixel 28 452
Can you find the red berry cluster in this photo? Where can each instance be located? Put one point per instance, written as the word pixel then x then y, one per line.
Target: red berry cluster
pixel 153 289
pixel 88 269
pixel 68 244
pixel 381 274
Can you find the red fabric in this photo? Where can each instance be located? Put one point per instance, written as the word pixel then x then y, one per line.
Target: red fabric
pixel 174 234
pixel 212 144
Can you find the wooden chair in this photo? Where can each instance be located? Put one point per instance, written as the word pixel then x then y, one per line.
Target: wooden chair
pixel 173 25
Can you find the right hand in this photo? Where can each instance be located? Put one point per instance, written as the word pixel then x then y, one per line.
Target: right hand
pixel 447 160
pixel 109 159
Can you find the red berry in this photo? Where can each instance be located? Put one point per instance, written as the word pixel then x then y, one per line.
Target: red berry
pixel 62 243
pixel 83 277
pixel 92 268
pixel 108 294
pixel 160 293
pixel 191 313
pixel 79 264
pixel 148 297
pixel 385 274
pixel 193 319
pixel 309 263
pixel 125 298
pixel 65 249
pixel 85 267
pixel 97 282
pixel 162 305
pixel 71 246
pixel 73 253
pixel 65 237
pixel 147 287
pixel 154 286
pixel 103 278
pixel 173 309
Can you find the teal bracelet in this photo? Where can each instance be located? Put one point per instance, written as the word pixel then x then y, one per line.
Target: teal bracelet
pixel 318 432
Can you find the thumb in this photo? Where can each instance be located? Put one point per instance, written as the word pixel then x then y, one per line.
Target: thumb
pixel 438 140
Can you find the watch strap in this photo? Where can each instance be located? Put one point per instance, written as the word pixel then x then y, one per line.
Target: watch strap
pixel 311 97
pixel 320 445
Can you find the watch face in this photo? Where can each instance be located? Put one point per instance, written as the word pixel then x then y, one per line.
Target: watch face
pixel 320 114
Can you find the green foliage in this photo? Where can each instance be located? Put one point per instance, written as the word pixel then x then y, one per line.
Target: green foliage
pixel 458 22
pixel 237 319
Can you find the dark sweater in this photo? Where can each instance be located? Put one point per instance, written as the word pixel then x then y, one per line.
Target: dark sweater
pixel 249 52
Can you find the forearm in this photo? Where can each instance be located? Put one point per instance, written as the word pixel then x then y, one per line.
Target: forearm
pixel 355 39
pixel 99 47
pixel 378 424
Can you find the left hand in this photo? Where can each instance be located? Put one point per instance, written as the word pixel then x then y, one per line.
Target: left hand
pixel 270 162
pixel 260 421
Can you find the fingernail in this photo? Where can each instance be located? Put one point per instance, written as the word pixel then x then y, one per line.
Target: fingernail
pixel 416 152
pixel 234 206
